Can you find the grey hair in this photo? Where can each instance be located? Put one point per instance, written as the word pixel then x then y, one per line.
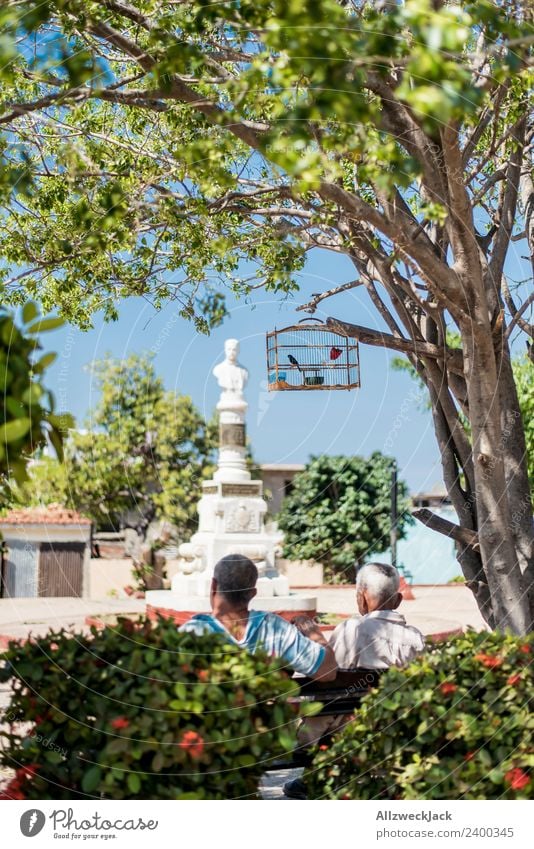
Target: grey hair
pixel 379 580
pixel 236 578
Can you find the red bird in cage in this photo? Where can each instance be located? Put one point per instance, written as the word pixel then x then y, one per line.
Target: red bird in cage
pixel 335 353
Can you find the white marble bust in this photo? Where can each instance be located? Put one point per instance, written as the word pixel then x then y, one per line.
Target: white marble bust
pixel 231 376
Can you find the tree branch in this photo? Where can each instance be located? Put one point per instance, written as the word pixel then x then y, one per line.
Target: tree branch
pixel 311 306
pixel 178 89
pixel 443 526
pixel 507 213
pixel 453 358
pixel 516 318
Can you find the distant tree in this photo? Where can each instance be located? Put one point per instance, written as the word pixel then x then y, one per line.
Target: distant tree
pixel 144 454
pixel 27 416
pixel 523 369
pixel 339 511
pixel 47 483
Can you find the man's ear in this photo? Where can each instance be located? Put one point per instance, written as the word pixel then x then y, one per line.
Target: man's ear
pixel 253 593
pixel 361 602
pixel 396 601
pixel 213 587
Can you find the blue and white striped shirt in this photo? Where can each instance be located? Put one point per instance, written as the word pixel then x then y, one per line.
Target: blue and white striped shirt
pixel 269 633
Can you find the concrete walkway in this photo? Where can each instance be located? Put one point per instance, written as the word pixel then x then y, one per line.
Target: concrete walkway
pixel 21 616
pixel 436 609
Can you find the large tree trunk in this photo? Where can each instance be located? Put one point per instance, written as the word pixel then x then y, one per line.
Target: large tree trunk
pixel 510 604
pixel 514 452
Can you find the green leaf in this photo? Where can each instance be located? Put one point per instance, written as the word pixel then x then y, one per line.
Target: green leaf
pixel 11 431
pixel 91 779
pixel 44 361
pixel 30 311
pixel 46 324
pixel 134 783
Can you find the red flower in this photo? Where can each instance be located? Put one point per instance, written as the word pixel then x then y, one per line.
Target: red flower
pixel 193 744
pixel 513 680
pixel 525 648
pixel 14 788
pixel 516 778
pixel 323 748
pixel 120 722
pixel 447 688
pixel 12 791
pixel 469 756
pixel 26 771
pixel 489 660
pixel 203 674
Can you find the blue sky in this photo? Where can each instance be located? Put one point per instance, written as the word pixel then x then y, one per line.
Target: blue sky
pixel 284 427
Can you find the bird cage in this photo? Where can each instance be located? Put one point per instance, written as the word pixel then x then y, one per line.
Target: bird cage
pixel 311 356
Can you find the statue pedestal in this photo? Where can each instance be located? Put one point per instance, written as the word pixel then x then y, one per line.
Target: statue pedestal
pixel 231 518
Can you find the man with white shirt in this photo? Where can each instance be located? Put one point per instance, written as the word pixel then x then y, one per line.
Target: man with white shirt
pixel 377 639
pixel 380 637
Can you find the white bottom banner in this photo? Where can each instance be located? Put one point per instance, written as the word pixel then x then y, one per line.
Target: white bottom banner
pixel 466 825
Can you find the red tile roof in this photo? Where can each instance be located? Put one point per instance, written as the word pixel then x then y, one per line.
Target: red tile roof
pixel 53 514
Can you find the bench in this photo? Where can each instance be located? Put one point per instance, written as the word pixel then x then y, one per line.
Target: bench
pixel 340 697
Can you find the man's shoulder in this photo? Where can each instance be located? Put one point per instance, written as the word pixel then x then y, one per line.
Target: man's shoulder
pixel 272 621
pixel 347 627
pixel 200 623
pixel 392 627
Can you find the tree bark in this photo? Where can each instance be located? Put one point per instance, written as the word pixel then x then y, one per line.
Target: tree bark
pixel 514 452
pixel 456 532
pixel 510 605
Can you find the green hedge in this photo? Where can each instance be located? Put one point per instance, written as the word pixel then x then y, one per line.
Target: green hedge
pixel 141 711
pixel 455 724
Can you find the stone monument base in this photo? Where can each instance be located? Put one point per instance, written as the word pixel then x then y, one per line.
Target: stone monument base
pixel 182 608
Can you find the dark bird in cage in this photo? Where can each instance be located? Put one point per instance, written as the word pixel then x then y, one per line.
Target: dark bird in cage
pixel 335 353
pixel 294 362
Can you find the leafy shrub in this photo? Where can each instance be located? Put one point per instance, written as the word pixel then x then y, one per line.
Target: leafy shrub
pixel 455 724
pixel 339 510
pixel 141 711
pixel 27 418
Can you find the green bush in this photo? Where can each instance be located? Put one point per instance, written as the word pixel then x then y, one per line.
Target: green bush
pixel 455 724
pixel 139 711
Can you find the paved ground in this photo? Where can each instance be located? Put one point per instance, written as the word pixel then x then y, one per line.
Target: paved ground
pixel 434 610
pixel 21 616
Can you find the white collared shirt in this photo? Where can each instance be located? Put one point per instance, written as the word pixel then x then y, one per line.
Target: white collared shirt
pixel 376 641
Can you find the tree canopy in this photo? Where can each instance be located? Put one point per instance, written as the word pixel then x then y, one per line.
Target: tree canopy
pixel 171 149
pixel 339 512
pixel 28 419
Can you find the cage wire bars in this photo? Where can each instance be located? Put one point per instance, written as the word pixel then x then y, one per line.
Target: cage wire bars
pixel 308 356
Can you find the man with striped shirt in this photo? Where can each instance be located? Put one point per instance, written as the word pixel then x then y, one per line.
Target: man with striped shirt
pixel 232 589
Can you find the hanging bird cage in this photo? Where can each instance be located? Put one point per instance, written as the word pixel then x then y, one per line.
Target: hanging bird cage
pixel 311 356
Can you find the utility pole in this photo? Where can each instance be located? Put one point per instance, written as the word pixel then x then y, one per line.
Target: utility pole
pixel 393 532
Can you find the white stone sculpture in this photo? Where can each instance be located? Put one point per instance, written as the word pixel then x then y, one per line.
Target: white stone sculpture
pixel 231 376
